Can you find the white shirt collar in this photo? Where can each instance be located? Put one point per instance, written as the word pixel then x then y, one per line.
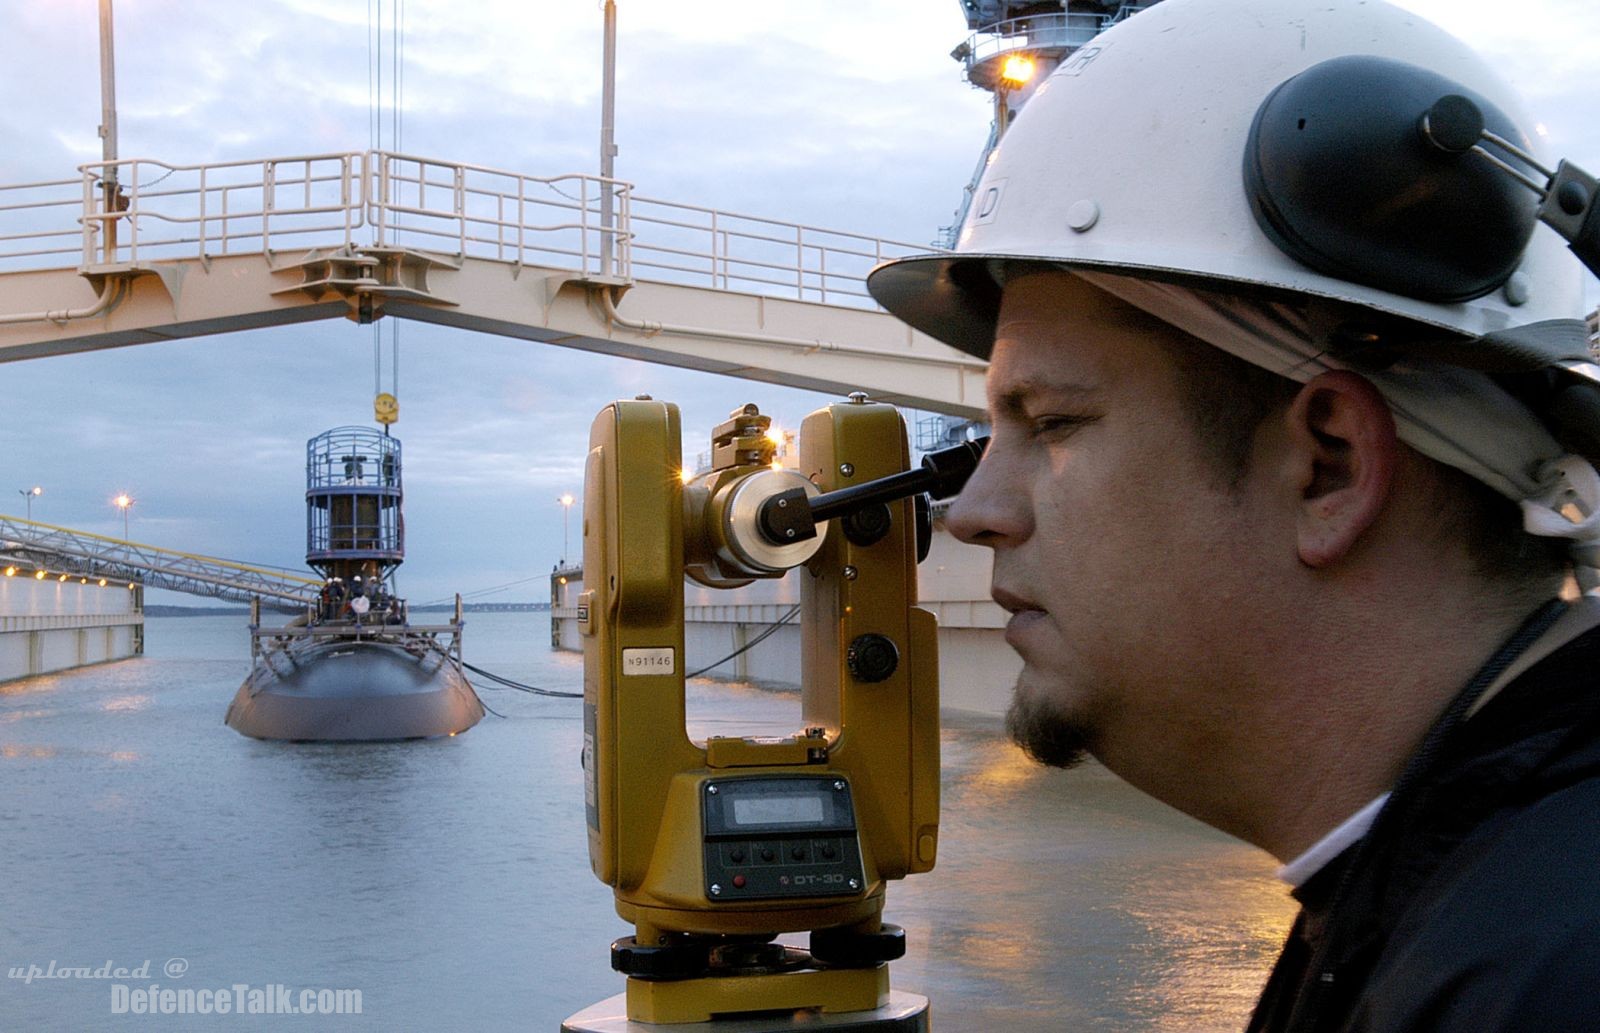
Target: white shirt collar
pixel 1296 872
pixel 1579 618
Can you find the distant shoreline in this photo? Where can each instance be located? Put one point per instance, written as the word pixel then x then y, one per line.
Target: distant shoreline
pixel 162 610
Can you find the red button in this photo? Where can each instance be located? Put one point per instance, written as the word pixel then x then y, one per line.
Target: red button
pixel 738 882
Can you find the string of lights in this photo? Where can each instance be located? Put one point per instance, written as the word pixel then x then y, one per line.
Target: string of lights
pixel 45 574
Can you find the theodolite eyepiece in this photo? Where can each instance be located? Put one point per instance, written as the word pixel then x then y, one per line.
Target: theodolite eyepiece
pixel 791 516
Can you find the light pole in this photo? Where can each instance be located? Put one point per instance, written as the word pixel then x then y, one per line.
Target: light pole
pixel 29 493
pixel 124 502
pixel 566 501
pixel 608 143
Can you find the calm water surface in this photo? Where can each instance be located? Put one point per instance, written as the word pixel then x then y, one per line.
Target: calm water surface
pixel 448 880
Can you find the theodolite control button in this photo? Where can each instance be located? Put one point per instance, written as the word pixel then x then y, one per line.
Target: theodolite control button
pixel 738 882
pixel 768 854
pixel 737 855
pixel 798 852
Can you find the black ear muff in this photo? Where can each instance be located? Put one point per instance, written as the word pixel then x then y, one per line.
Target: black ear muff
pixel 1343 177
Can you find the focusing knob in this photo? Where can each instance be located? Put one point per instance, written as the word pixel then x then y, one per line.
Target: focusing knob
pixel 868 526
pixel 872 657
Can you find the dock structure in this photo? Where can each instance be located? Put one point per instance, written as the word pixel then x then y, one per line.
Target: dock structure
pixel 70 598
pixel 138 251
pixel 52 621
pixel 576 260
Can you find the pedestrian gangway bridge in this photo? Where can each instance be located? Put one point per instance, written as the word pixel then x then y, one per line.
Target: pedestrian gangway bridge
pixel 31 549
pixel 138 250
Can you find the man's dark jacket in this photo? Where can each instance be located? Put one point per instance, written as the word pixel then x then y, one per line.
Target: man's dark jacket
pixel 1474 902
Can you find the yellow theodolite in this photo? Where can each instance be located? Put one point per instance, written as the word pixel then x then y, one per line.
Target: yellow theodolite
pixel 713 849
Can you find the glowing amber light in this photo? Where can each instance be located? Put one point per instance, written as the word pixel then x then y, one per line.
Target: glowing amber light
pixel 1017 70
pixel 63 577
pixel 38 575
pixel 11 572
pixel 102 582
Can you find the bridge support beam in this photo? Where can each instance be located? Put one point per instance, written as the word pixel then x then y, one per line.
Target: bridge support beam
pixel 830 348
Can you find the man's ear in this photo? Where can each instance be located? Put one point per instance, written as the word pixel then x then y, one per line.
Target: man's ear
pixel 1345 453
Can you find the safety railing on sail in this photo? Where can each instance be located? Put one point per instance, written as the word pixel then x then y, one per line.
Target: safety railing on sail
pixel 1064 30
pixel 163 212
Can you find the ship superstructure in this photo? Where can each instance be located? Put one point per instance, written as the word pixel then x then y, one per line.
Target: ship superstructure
pixel 1014 47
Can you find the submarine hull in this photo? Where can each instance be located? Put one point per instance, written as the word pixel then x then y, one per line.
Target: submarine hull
pixel 354 691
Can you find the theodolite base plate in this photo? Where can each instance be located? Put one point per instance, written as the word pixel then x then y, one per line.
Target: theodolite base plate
pixel 904 1013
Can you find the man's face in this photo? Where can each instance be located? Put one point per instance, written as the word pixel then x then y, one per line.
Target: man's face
pixel 1129 570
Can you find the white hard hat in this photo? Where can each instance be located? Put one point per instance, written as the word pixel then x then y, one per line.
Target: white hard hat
pixel 1310 184
pixel 1269 146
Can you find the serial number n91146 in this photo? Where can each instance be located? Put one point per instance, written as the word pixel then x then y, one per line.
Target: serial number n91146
pixel 660 660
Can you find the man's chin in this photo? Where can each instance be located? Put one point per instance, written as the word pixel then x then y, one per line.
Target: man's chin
pixel 1044 733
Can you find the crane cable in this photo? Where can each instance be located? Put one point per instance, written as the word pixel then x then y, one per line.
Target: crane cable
pixel 375 98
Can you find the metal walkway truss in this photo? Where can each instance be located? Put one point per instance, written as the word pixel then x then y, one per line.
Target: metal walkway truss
pixel 30 549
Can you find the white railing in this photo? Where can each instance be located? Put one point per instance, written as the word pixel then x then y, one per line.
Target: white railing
pixel 158 211
pixel 40 223
pixel 479 212
pixel 684 243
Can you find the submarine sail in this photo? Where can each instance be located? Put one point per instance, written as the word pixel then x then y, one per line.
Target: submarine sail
pixel 354 668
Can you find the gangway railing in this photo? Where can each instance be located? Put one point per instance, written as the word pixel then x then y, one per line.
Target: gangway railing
pixel 380 199
pixel 445 639
pixel 64 550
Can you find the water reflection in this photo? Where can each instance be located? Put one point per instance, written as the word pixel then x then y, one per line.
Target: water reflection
pixel 1067 900
pixel 449 879
pixel 14 751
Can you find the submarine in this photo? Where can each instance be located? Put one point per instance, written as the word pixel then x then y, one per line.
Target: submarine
pixel 353 668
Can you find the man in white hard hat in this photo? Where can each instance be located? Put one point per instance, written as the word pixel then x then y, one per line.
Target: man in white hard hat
pixel 1294 431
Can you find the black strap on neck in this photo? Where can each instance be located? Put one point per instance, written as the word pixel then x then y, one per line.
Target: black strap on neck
pixel 1307 1011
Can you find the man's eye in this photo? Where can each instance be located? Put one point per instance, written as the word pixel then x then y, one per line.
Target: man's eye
pixel 1055 425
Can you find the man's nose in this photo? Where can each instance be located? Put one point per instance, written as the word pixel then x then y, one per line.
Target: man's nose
pixel 991 507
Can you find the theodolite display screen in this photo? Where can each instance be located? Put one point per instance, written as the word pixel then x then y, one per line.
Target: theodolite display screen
pixel 778 810
pixel 780 836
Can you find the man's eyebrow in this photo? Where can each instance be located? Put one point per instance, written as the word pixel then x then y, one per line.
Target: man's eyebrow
pixel 1012 401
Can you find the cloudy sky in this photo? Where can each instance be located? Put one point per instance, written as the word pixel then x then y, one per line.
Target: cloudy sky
pixel 835 113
